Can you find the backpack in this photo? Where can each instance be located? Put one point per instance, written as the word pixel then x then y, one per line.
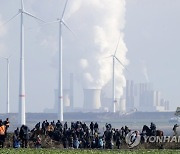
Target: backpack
pixel 2 130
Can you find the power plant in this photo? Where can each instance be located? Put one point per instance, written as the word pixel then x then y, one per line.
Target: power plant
pixel 136 97
pixel 143 97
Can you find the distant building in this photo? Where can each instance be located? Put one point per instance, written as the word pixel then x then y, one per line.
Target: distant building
pixel 122 105
pixel 144 98
pixel 165 103
pixel 129 95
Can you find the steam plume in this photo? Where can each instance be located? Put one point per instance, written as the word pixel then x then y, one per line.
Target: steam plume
pixel 98 24
pixel 145 72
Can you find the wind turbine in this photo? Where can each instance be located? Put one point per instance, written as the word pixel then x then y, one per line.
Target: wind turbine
pixel 7 60
pixel 22 117
pixel 61 23
pixel 114 58
pixel 60 83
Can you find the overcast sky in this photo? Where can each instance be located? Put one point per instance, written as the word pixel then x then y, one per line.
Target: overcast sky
pixel 151 35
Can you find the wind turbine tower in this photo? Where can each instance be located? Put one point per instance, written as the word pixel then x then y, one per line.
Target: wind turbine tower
pixel 7 60
pixel 114 101
pixel 61 23
pixel 22 117
pixel 60 83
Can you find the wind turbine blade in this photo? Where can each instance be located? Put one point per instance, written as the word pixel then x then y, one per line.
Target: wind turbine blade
pixel 52 22
pixel 64 9
pixel 117 46
pixel 3 57
pixel 22 5
pixel 68 28
pixel 41 25
pixel 121 63
pixel 33 16
pixel 108 56
pixel 10 19
pixel 49 23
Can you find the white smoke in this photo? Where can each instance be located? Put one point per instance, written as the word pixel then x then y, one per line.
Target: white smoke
pixel 145 71
pixel 50 43
pixel 146 74
pixel 98 24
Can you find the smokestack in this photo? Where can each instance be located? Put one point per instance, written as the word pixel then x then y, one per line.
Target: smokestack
pixel 92 99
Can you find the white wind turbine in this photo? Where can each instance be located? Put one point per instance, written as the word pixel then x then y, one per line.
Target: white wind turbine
pixel 113 77
pixel 60 82
pixel 7 60
pixel 61 22
pixel 22 117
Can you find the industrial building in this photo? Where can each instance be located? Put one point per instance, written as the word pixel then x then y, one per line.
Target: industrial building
pixel 143 97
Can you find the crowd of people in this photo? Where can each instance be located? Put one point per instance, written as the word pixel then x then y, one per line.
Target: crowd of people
pixel 76 135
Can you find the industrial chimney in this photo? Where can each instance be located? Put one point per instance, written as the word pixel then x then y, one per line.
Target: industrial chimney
pixel 92 99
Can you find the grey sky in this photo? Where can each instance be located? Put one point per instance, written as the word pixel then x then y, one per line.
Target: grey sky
pixel 151 36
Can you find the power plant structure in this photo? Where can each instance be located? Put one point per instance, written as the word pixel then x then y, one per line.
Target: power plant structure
pixel 122 105
pixel 143 97
pixel 66 100
pixel 137 97
pixel 129 95
pixel 92 99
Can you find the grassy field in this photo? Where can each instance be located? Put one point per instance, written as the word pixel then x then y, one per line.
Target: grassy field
pixel 56 151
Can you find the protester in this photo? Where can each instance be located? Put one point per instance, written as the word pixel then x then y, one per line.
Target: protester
pixel 76 143
pixel 16 139
pixel 153 129
pixel 38 142
pixel 175 129
pixel 24 135
pixel 2 133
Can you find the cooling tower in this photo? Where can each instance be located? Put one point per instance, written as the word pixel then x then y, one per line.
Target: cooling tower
pixel 66 97
pixel 92 99
pixel 122 106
